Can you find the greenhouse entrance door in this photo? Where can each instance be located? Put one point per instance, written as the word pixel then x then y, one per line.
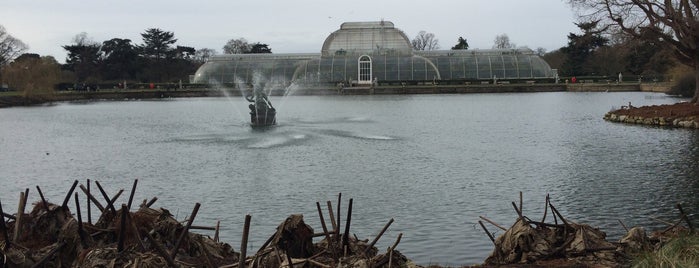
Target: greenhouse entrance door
pixel 364 70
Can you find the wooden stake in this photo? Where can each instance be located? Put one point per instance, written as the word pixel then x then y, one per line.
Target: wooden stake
pixel 376 239
pixel 332 217
pixel 269 240
pixel 392 248
pixel 339 200
pixel 487 232
pixel 519 213
pixel 133 190
pixel 150 203
pixel 26 197
pixel 43 200
pixel 218 227
pixel 345 240
pixel 623 225
pixel 81 231
pixel 110 206
pixel 122 228
pixel 70 193
pixel 89 212
pixel 397 241
pixel 11 217
pixel 18 221
pixel 199 227
pixel 546 208
pixel 5 235
pixel 91 197
pixel 554 210
pixel 322 222
pixel 185 231
pixel 110 202
pixel 493 223
pixel 244 242
pixel 520 203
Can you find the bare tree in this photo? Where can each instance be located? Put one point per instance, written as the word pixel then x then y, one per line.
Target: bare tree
pixel 10 47
pixel 237 46
pixel 82 39
pixel 502 41
pixel 425 41
pixel 203 55
pixel 674 23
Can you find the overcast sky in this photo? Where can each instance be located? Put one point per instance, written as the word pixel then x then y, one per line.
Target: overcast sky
pixel 287 26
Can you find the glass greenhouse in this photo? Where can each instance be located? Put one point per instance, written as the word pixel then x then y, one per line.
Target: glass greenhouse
pixel 373 52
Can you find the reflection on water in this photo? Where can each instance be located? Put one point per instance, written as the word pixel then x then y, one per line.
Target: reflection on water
pixel 434 163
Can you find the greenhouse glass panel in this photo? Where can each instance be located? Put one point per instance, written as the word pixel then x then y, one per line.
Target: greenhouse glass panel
pixel 541 68
pixel 325 69
pixel 419 69
pixel 392 68
pixel 471 69
pixel 525 66
pixel 497 68
pixel 378 67
pixel 484 70
pixel 444 66
pixel 339 69
pixel 456 65
pixel 404 69
pixel 510 66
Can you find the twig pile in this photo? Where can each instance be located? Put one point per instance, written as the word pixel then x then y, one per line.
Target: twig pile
pixel 578 245
pixel 292 245
pixel 51 236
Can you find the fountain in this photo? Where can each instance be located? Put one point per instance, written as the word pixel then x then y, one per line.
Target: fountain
pixel 262 113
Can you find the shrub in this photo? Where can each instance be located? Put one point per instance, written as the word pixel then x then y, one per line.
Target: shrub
pixel 682 251
pixel 684 86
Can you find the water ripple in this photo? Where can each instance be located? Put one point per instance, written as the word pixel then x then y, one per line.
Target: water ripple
pixel 434 163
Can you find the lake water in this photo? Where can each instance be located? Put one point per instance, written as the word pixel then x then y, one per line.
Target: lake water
pixel 434 163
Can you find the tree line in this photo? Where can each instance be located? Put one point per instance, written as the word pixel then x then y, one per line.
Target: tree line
pixel 158 59
pixel 642 38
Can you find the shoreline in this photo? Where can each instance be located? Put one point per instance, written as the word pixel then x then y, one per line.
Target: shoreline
pixel 678 115
pixel 18 99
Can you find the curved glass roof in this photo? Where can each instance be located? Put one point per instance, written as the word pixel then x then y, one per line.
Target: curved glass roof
pixel 367 37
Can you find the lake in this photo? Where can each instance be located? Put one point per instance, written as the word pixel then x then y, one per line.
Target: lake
pixel 434 163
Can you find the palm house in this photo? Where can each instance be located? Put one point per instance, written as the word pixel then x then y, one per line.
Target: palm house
pixel 373 52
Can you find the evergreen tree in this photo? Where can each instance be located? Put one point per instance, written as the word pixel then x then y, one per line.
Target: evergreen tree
pixel 461 44
pixel 260 48
pixel 158 52
pixel 83 58
pixel 121 61
pixel 581 47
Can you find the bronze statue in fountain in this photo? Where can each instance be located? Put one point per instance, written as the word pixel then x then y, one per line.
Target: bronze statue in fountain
pixel 262 113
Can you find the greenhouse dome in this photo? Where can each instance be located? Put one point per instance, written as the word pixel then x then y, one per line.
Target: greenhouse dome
pixel 373 52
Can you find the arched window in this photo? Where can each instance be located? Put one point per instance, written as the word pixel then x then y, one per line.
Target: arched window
pixel 364 70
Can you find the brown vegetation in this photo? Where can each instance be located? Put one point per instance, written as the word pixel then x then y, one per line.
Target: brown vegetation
pixel 681 109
